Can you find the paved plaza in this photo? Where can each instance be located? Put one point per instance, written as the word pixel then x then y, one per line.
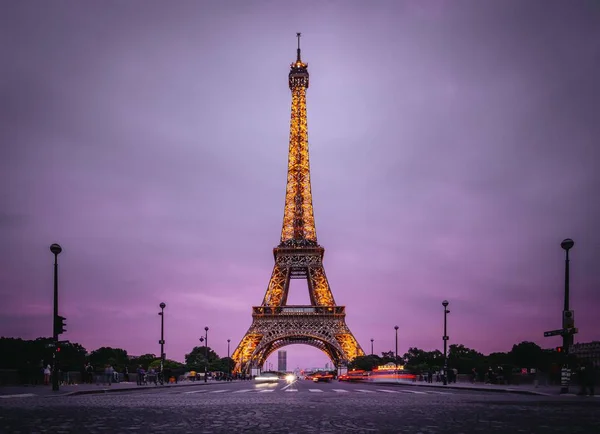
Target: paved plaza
pixel 299 407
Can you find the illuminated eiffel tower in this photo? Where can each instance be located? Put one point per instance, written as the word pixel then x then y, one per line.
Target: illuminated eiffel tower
pixel 275 324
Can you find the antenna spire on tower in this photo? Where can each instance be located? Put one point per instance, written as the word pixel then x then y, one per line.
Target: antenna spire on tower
pixel 298 51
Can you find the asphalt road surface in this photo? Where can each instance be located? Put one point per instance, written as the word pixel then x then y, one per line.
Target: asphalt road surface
pixel 300 407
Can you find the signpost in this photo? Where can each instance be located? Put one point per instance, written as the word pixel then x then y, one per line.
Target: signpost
pixel 561 332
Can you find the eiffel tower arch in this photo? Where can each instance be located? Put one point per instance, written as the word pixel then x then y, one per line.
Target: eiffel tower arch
pixel 275 324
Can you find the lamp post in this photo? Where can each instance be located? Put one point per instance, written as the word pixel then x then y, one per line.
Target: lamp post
pixel 567 244
pixel 55 249
pixel 445 338
pixel 205 353
pixel 162 337
pixel 396 358
pixel 228 360
pixel 372 345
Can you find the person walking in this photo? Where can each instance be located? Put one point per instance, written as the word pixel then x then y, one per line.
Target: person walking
pixel 47 371
pixel 108 373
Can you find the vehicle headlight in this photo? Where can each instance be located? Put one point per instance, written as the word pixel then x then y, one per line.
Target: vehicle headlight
pixel 290 377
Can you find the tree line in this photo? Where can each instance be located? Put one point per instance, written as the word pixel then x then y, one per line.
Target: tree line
pixel 33 354
pixel 526 355
pixel 29 356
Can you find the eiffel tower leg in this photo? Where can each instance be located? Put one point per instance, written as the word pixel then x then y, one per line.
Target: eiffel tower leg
pixel 243 356
pixel 319 286
pixel 349 344
pixel 277 291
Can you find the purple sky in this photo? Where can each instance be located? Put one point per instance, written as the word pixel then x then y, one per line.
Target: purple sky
pixel 453 146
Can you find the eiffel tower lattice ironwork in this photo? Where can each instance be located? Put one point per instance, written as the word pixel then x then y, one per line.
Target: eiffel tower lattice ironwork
pixel 275 324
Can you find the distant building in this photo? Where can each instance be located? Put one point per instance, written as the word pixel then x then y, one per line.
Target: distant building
pixel 589 351
pixel 282 361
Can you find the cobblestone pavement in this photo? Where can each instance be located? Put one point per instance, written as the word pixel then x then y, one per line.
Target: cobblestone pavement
pixel 300 407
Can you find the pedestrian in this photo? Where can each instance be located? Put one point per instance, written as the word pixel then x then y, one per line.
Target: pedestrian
pixel 140 375
pixel 108 373
pixel 89 373
pixel 47 371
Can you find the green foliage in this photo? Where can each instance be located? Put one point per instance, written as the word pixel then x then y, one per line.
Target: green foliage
pixel 420 360
pixel 225 364
pixel 196 359
pixel 169 364
pixel 72 356
pixel 144 360
pixel 527 355
pixel 464 359
pixel 29 355
pixel 116 357
pixel 365 363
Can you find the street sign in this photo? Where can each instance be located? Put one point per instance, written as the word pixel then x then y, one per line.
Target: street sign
pixel 553 333
pixel 561 332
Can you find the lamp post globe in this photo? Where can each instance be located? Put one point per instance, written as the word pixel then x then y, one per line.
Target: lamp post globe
pixel 206 329
pixel 162 305
pixel 445 303
pixel 55 248
pixel 567 244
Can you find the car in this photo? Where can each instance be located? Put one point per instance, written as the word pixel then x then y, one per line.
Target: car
pixel 267 377
pixel 322 378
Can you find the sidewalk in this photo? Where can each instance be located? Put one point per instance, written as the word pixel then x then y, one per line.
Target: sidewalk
pixel 84 389
pixel 526 389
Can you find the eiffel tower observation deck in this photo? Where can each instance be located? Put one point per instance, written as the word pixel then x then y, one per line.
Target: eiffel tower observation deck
pixel 275 324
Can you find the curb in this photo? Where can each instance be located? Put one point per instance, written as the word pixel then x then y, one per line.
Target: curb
pixel 124 389
pixel 478 389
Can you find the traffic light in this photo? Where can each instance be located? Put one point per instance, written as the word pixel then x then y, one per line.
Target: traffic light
pixel 59 325
pixel 559 349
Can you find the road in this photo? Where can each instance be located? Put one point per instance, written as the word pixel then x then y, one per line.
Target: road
pixel 300 407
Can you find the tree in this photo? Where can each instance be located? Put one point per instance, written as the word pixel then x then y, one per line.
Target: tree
pixel 225 364
pixel 366 363
pixel 116 357
pixel 144 360
pixel 527 355
pixel 419 360
pixel 196 359
pixel 71 356
pixel 464 359
pixel 169 364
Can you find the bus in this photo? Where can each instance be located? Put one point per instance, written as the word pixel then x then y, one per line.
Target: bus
pixel 391 371
pixel 353 375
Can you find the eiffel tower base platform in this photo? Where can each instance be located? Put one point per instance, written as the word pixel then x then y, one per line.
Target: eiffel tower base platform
pixel 322 327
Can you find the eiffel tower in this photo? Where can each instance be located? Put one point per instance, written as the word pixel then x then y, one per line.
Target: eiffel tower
pixel 276 324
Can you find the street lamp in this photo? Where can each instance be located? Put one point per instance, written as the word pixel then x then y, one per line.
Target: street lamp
pixel 396 359
pixel 445 338
pixel 567 244
pixel 162 337
pixel 57 324
pixel 228 360
pixel 372 345
pixel 205 353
